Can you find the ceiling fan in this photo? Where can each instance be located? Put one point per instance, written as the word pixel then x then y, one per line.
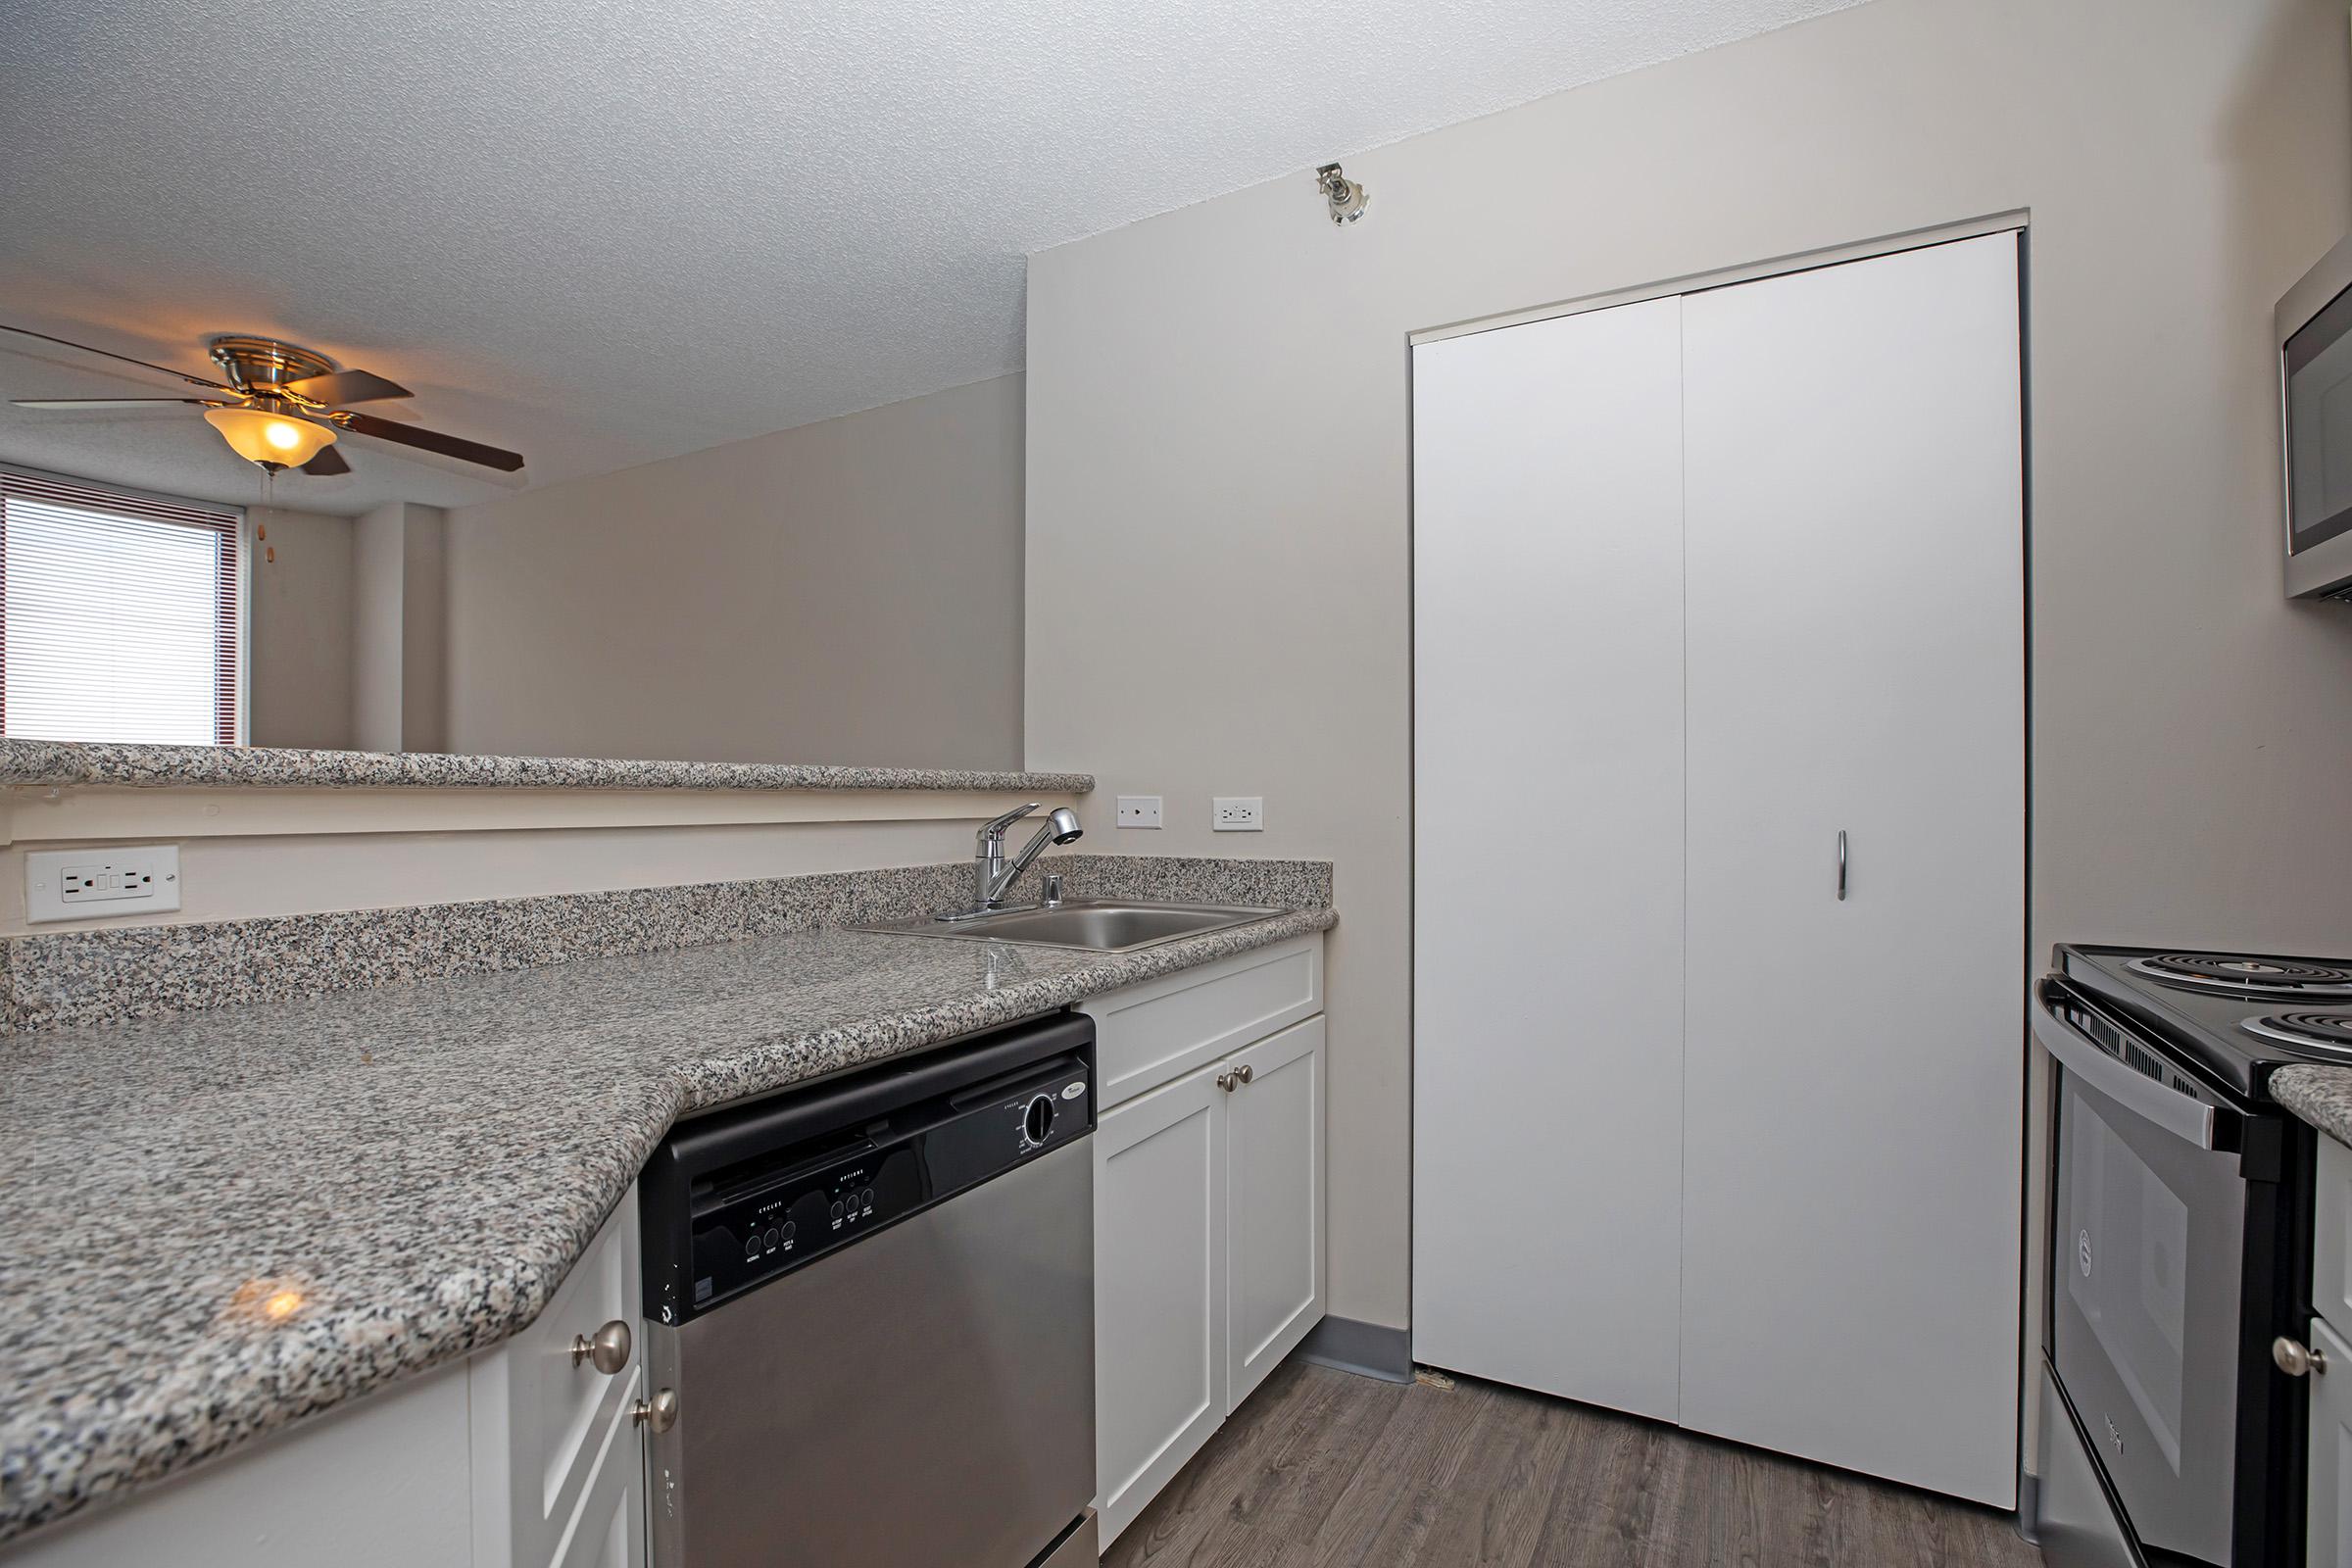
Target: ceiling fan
pixel 282 406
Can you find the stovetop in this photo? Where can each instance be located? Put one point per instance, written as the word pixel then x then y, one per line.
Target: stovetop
pixel 2236 1015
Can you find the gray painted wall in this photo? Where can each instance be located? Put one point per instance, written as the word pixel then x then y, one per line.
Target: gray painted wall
pixel 1218 443
pixel 843 592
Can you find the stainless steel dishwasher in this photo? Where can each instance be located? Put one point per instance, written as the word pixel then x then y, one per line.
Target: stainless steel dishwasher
pixel 875 1301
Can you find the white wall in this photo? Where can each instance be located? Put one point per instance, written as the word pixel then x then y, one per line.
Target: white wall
pixel 398 639
pixel 379 570
pixel 844 592
pixel 300 641
pixel 1218 444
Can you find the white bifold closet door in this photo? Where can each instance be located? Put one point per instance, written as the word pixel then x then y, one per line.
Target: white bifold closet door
pixel 1853 1078
pixel 1706 589
pixel 1548 881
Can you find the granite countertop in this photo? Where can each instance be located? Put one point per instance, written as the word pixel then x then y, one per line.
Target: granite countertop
pixel 218 1222
pixel 2320 1096
pixel 60 763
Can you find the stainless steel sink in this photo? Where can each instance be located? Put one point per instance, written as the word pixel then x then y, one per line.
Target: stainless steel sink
pixel 1093 924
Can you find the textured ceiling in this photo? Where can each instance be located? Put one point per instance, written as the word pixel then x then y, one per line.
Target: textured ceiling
pixel 603 232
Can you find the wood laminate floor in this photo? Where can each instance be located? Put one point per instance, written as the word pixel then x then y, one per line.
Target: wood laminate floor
pixel 1322 1468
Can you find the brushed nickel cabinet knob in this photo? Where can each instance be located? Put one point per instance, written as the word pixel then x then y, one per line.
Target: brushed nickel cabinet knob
pixel 608 1351
pixel 660 1412
pixel 2295 1358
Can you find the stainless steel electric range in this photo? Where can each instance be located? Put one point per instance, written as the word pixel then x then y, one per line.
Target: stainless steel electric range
pixel 2180 1227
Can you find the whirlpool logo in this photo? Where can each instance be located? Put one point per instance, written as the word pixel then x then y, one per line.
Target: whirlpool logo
pixel 2113 1436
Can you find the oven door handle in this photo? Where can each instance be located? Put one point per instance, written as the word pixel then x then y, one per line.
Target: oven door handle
pixel 2151 1101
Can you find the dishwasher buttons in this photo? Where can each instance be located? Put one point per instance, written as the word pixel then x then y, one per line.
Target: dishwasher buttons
pixel 772 1238
pixel 837 1208
pixel 751 1250
pixel 867 1199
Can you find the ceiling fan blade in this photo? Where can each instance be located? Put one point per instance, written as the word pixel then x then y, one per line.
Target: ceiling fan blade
pixel 346 386
pixel 104 403
pixel 327 465
pixel 448 445
pixel 180 375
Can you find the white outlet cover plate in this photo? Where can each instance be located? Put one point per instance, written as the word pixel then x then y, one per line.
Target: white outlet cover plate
pixel 89 884
pixel 1239 813
pixel 1139 810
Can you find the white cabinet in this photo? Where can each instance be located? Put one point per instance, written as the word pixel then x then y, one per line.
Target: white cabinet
pixel 1274 1202
pixel 607 1530
pixel 1160 1262
pixel 545 1420
pixel 2331 1245
pixel 2330 1497
pixel 2331 1336
pixel 1738 579
pixel 1164 1028
pixel 380 1482
pixel 1208 1209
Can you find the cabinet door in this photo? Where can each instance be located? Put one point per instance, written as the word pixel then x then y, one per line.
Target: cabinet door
pixel 609 1531
pixel 1160 1289
pixel 1547 964
pixel 2330 1517
pixel 1855 1064
pixel 1274 1196
pixel 539 1414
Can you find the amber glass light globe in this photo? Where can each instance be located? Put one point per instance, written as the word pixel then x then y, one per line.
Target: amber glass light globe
pixel 260 436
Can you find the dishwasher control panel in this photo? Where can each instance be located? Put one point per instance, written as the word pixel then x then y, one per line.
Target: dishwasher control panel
pixel 749 1195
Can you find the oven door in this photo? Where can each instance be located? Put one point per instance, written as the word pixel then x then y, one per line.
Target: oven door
pixel 2147 1268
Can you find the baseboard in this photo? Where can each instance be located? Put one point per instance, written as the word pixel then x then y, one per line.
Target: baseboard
pixel 1367 1350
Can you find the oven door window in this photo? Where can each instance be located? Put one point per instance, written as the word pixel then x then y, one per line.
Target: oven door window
pixel 2319 427
pixel 2147 1244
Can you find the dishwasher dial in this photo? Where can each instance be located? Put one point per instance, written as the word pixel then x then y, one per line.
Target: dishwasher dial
pixel 1038 1122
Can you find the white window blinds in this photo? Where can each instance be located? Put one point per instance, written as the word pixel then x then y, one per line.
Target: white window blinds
pixel 117 616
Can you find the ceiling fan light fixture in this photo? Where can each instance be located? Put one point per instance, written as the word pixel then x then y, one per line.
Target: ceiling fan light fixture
pixel 272 439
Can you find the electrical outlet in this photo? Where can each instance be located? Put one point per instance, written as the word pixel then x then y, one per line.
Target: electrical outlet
pixel 84 884
pixel 1139 810
pixel 1239 813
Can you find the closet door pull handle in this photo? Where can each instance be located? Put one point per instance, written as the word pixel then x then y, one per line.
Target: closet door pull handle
pixel 1841 865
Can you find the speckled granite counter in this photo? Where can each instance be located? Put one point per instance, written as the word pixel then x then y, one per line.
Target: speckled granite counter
pixel 421 1163
pixel 72 762
pixel 2320 1096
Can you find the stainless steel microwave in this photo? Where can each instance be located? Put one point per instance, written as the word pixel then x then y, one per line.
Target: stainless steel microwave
pixel 2315 381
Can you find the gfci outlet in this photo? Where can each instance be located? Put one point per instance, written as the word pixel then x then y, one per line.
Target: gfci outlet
pixel 1139 810
pixel 1239 813
pixel 84 884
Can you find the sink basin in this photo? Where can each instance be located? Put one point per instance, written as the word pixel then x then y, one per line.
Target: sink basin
pixel 1095 925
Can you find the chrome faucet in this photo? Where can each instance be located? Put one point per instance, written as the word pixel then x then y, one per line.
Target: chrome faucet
pixel 992 873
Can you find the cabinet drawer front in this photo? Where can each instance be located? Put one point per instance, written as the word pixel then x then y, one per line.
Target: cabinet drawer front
pixel 539 1418
pixel 1152 1033
pixel 1159 1290
pixel 2331 1243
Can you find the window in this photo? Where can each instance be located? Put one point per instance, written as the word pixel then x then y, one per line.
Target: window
pixel 119 616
